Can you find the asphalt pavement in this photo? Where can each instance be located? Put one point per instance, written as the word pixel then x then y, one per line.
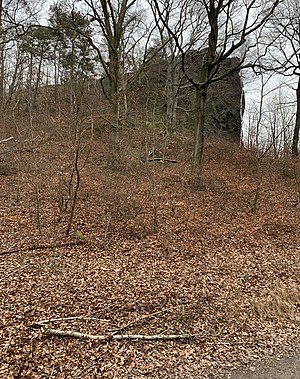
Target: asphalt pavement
pixel 286 367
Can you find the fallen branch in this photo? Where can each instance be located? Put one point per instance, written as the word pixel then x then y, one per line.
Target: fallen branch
pixel 6 140
pixel 121 328
pixel 40 247
pixel 109 337
pixel 83 318
pixel 162 160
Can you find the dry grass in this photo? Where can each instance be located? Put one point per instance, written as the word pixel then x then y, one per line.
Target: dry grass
pixel 281 302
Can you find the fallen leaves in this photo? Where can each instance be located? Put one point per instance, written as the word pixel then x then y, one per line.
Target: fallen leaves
pixel 211 270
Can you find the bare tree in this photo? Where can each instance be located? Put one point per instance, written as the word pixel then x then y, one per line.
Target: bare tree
pixel 279 121
pixel 223 27
pixel 15 17
pixel 169 54
pixel 112 19
pixel 285 53
pixel 295 150
pixel 1 54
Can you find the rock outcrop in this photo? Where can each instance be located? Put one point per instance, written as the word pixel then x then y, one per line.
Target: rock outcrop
pixel 225 100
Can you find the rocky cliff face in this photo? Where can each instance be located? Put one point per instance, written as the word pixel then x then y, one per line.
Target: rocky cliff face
pixel 225 97
pixel 225 103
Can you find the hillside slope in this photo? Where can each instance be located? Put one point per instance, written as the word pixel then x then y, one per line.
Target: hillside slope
pixel 146 255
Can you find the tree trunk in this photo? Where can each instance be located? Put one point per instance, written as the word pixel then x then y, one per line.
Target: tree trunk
pixel 56 75
pixel 201 96
pixel 14 82
pixel 38 79
pixel 72 80
pixel 2 90
pixel 114 153
pixel 295 151
pixel 172 95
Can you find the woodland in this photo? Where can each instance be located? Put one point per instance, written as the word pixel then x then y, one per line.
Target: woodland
pixel 149 213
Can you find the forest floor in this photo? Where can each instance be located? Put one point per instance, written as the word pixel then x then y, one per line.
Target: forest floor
pixel 146 255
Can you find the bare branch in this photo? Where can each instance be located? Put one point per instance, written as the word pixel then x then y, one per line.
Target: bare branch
pixel 118 337
pixel 7 139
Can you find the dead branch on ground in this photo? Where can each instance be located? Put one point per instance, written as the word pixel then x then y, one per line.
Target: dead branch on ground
pixel 109 336
pixel 83 318
pixel 162 160
pixel 136 321
pixel 41 247
pixel 119 337
pixel 6 139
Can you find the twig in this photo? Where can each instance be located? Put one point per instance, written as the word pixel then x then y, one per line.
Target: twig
pixel 162 160
pixel 6 140
pixel 76 173
pixel 43 322
pixel 231 343
pixel 136 321
pixel 64 333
